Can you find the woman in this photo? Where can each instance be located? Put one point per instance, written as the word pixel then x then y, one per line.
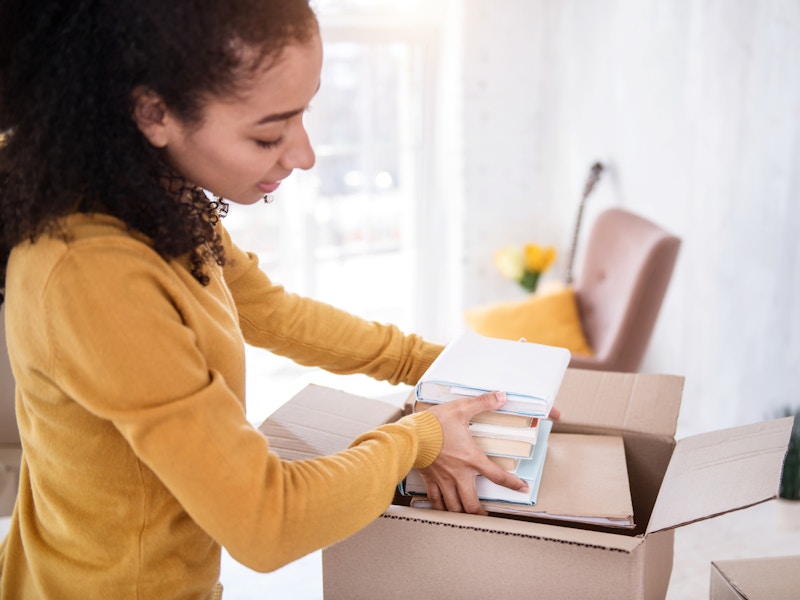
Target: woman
pixel 128 306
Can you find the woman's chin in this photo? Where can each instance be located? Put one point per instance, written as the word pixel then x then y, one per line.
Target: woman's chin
pixel 247 199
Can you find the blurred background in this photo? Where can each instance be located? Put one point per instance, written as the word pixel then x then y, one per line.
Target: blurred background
pixel 446 129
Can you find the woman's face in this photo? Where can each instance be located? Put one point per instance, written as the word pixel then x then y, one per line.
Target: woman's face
pixel 244 146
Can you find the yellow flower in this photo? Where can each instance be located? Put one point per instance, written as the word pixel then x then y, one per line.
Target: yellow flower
pixel 525 265
pixel 510 262
pixel 538 259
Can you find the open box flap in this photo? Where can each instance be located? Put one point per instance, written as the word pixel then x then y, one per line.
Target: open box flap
pixel 619 402
pixel 714 473
pixel 319 421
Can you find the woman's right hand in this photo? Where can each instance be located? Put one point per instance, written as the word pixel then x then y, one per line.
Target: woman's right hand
pixel 450 479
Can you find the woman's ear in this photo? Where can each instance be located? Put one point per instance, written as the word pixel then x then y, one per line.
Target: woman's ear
pixel 150 115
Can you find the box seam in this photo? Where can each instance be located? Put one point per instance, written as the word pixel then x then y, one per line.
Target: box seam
pixel 506 533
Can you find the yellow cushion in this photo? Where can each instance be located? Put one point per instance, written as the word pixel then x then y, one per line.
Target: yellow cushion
pixel 545 318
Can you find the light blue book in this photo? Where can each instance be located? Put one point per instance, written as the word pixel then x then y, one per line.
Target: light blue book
pixel 529 469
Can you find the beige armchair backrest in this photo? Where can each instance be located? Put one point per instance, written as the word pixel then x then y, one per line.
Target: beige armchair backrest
pixel 9 435
pixel 10 449
pixel 625 273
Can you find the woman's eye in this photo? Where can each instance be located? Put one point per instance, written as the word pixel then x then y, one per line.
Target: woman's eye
pixel 268 143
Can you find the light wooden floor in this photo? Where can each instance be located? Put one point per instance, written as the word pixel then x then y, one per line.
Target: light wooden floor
pixel 769 529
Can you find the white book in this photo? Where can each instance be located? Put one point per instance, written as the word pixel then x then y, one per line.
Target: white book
pixel 472 364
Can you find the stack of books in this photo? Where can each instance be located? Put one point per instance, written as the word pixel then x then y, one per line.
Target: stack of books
pixel 515 437
pixel 571 477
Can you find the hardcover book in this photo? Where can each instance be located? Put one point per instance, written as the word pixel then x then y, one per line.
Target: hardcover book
pixel 472 364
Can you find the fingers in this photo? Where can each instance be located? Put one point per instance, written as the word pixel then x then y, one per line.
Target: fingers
pixel 502 477
pixel 453 498
pixel 493 401
pixel 434 493
pixel 464 409
pixel 496 400
pixel 445 497
pixel 486 402
pixel 469 500
pixel 490 401
pixel 450 479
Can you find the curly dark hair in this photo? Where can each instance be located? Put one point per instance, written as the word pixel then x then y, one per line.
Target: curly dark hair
pixel 67 72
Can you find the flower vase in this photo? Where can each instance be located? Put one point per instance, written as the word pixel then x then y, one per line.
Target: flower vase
pixel 530 280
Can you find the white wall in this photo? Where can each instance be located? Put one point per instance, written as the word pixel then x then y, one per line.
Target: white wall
pixel 694 106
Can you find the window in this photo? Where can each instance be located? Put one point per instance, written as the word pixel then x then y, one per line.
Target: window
pixel 346 232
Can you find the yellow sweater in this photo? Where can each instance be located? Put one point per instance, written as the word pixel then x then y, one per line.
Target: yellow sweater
pixel 138 461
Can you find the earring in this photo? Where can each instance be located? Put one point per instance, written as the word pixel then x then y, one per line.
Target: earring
pixel 268 198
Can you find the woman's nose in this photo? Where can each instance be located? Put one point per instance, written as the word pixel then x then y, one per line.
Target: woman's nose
pixel 299 154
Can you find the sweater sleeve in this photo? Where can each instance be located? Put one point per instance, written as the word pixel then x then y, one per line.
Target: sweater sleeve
pixel 127 345
pixel 313 333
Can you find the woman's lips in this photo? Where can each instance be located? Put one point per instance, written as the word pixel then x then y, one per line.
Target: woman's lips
pixel 268 188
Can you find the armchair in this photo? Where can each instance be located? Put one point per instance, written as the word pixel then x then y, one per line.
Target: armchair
pixel 627 266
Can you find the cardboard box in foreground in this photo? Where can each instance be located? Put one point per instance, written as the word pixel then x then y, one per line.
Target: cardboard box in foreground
pixel 776 578
pixel 430 554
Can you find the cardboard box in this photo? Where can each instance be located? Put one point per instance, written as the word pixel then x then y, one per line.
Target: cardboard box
pixel 430 554
pixel 776 578
pixel 319 421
